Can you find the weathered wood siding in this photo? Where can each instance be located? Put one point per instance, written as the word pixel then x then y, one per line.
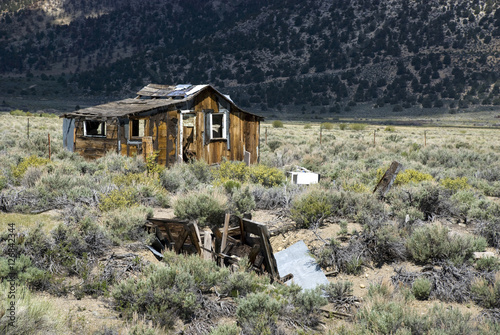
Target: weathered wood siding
pixel 93 147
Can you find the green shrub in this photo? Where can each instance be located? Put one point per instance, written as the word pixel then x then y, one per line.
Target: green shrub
pixel 485 294
pixel 258 313
pixel 207 207
pixel 231 186
pixel 390 128
pixel 273 145
pixel 242 282
pixel 421 288
pixel 278 124
pixel 455 184
pixel 17 112
pixel 433 242
pixel 266 176
pixel 327 125
pixel 357 126
pixel 126 223
pixel 307 126
pixel 343 126
pixel 25 273
pixel 488 264
pixel 242 201
pixel 311 208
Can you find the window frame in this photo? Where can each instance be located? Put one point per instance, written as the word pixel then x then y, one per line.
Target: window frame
pixel 131 128
pixel 223 126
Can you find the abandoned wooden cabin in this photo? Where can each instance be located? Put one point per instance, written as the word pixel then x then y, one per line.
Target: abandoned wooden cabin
pixel 181 123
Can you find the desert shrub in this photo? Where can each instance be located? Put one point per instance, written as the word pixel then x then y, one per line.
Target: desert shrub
pixel 17 112
pixel 206 207
pixel 455 184
pixel 390 128
pixel 274 144
pixel 33 315
pixel 357 126
pixel 114 162
pixel 186 177
pixel 412 176
pixel 277 124
pixel 231 186
pixel 241 201
pixel 25 273
pixel 31 161
pixel 486 294
pixel 119 199
pixel 307 126
pixel 433 242
pixel 31 176
pixel 488 264
pixel 343 126
pixel 258 313
pixel 170 290
pixel 3 182
pixel 274 197
pixel 226 329
pixel 421 288
pixel 242 282
pixel 228 170
pixel 266 176
pixel 126 223
pixel 310 209
pixel 348 259
pixel 355 187
pixel 327 125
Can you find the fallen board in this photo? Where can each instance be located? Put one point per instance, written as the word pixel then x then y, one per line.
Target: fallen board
pixel 297 261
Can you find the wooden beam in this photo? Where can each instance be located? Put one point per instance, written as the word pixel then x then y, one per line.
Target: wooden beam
pixel 385 183
pixel 207 245
pixel 272 267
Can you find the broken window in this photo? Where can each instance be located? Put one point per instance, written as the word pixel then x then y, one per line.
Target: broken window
pixel 217 125
pixel 94 128
pixel 137 128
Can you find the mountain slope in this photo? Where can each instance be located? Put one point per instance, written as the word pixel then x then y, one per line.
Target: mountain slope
pixel 271 54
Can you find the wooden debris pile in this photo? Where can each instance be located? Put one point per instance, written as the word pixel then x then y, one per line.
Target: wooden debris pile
pixel 243 238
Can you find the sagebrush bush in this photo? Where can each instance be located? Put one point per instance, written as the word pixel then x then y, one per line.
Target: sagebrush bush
pixel 412 176
pixel 277 124
pixel 421 288
pixel 327 125
pixel 241 201
pixel 126 223
pixel 486 294
pixel 310 209
pixel 434 242
pixel 357 126
pixel 206 207
pixel 226 329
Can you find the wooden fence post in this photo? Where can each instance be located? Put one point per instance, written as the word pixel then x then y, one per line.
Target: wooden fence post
pixel 266 135
pixel 374 136
pixel 28 129
pixel 320 134
pixel 49 147
pixel 425 138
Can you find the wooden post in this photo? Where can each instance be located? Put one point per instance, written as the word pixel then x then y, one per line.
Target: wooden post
pixel 385 183
pixel 374 136
pixel 425 138
pixel 266 135
pixel 207 245
pixel 49 147
pixel 147 146
pixel 224 233
pixel 320 133
pixel 28 129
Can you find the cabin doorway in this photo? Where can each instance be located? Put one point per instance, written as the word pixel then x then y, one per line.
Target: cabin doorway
pixel 187 138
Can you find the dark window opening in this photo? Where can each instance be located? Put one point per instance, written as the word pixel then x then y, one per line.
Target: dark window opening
pixel 137 128
pixel 94 128
pixel 218 126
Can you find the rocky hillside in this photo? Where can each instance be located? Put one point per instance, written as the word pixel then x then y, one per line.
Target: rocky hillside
pixel 270 54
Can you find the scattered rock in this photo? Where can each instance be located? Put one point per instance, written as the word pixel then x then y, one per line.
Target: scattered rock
pixel 362 285
pixel 486 254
